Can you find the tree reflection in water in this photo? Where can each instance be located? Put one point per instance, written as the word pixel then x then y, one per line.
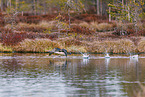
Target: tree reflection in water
pixel 75 77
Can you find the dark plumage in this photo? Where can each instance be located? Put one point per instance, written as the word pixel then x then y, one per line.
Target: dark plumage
pixel 59 51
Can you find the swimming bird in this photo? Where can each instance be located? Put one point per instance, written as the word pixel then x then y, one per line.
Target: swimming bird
pixel 107 55
pixel 59 51
pixel 85 56
pixel 133 56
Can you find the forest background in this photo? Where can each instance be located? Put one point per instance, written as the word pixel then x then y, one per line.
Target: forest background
pixel 96 26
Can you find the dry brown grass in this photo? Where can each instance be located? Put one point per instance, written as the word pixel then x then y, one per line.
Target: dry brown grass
pixel 75 49
pixel 104 27
pixel 84 24
pixel 74 45
pixel 68 41
pixel 36 45
pixel 119 46
pixel 141 45
pixel 95 26
pixel 43 45
pixel 40 27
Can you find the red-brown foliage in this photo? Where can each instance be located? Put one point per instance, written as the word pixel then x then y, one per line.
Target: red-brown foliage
pixel 15 38
pixel 141 32
pixel 2 22
pixel 11 38
pixel 81 30
pixel 22 19
pixel 91 17
pixel 32 29
pixel 48 17
pixel 35 18
pixel 5 30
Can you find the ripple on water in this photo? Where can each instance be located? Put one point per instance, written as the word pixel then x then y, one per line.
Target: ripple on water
pixel 32 76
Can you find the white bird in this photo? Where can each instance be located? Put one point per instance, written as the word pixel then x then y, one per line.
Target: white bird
pixel 85 56
pixel 133 56
pixel 107 56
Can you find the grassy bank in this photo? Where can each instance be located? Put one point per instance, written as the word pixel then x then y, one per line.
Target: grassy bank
pixel 87 33
pixel 75 45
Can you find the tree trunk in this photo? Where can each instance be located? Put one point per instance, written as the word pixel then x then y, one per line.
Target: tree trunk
pixel 69 17
pixel 17 2
pixel 1 5
pixel 44 5
pixel 98 10
pixel 128 10
pixel 10 3
pixel 109 14
pixel 38 10
pixel 34 7
pixel 101 9
pixel 123 3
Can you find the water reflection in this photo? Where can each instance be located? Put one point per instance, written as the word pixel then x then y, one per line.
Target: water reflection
pixel 107 61
pixel 85 61
pixel 38 75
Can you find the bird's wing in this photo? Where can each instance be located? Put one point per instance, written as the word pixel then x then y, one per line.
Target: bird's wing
pixel 57 49
pixel 65 51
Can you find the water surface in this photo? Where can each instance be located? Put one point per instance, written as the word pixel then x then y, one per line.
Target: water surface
pixel 40 75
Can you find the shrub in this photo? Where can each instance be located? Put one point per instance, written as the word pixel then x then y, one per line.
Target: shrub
pixel 5 30
pixel 141 32
pixel 2 22
pixel 5 48
pixel 12 38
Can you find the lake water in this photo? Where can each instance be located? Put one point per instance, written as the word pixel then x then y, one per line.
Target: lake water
pixel 40 75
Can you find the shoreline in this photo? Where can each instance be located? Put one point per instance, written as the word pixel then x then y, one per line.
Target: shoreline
pixel 73 45
pixel 15 52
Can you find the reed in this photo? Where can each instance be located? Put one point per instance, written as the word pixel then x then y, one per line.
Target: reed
pixel 68 41
pixel 104 27
pixel 40 27
pixel 72 44
pixel 94 25
pixel 76 49
pixel 36 45
pixel 141 45
pixel 84 24
pixel 119 46
pixel 46 24
pixel 124 46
